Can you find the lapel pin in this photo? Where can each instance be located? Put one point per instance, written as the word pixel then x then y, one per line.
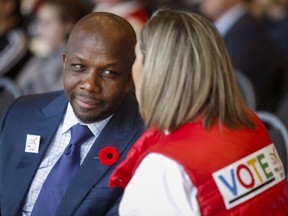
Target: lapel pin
pixel 109 155
pixel 32 143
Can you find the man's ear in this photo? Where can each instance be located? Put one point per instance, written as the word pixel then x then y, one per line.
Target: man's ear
pixel 130 83
pixel 64 58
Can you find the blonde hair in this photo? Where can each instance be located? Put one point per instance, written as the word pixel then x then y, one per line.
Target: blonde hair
pixel 187 74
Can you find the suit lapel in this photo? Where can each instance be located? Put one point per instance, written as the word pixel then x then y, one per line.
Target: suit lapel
pixel 45 123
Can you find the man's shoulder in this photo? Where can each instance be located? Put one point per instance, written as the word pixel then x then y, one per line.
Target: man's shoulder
pixel 35 101
pixel 40 98
pixel 129 106
pixel 127 115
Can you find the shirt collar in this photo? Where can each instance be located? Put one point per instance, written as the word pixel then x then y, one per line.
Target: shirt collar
pixel 70 120
pixel 224 22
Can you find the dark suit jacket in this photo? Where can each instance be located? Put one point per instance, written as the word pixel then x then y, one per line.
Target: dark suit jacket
pixel 88 193
pixel 253 52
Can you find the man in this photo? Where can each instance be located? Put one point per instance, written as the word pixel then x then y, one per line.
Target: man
pixel 250 48
pixel 97 80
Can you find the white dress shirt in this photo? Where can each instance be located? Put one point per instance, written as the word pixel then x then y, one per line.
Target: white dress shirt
pixel 56 149
pixel 160 186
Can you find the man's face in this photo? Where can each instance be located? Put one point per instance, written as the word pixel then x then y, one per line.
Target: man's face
pixel 97 75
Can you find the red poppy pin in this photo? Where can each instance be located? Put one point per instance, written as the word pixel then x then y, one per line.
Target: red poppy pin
pixel 109 155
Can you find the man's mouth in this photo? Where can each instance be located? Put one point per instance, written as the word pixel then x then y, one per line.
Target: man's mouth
pixel 87 103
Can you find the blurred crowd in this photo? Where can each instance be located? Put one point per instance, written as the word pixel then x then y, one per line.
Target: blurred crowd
pixel 33 36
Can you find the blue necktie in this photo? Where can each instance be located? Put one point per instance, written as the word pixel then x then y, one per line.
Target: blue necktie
pixel 61 174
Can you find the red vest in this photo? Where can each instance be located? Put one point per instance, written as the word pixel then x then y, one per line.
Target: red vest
pixel 205 156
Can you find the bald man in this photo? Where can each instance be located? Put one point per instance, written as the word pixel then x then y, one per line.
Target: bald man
pixel 35 131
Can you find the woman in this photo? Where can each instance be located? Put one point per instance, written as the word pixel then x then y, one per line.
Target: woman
pixel 205 152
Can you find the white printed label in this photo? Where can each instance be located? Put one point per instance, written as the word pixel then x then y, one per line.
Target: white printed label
pixel 32 143
pixel 248 177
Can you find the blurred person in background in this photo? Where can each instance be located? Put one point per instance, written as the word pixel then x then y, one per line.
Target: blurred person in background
pixel 54 21
pixel 186 5
pixel 14 50
pixel 250 47
pixel 274 14
pixel 131 10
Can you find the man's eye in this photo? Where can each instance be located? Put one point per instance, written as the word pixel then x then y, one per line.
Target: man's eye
pixel 109 73
pixel 78 66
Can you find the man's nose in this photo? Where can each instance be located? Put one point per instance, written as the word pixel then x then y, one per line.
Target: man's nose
pixel 92 83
